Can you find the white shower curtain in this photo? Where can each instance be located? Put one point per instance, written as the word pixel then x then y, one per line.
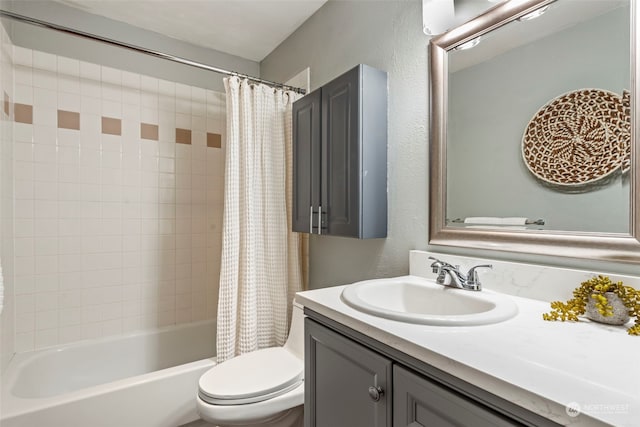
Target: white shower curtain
pixel 261 263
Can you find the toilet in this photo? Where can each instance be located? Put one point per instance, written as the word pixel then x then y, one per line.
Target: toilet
pixel 264 388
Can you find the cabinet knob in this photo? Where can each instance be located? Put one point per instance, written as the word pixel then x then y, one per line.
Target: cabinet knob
pixel 375 393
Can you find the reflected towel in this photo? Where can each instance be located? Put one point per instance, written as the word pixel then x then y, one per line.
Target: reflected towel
pixel 495 220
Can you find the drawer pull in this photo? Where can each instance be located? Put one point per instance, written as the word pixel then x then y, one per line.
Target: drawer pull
pixel 375 393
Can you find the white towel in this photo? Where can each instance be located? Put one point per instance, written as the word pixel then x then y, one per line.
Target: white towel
pixel 495 220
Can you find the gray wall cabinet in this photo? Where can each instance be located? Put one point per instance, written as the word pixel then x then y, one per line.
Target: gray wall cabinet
pixel 352 380
pixel 340 157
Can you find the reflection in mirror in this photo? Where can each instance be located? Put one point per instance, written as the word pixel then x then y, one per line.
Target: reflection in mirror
pixel 570 177
pixel 533 131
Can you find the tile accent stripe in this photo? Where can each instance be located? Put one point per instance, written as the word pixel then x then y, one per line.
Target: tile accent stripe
pixel 149 131
pixel 111 126
pixel 68 120
pixel 23 113
pixel 214 140
pixel 183 136
pixel 7 105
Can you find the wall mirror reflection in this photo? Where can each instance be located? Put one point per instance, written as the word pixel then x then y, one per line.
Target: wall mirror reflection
pixel 563 76
pixel 532 130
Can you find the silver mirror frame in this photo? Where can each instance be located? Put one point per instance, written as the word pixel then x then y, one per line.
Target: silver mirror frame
pixel 597 246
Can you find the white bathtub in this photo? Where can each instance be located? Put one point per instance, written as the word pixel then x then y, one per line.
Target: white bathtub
pixel 147 379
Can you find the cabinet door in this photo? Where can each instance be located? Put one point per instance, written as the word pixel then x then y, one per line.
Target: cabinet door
pixel 338 375
pixel 418 402
pixel 306 162
pixel 340 155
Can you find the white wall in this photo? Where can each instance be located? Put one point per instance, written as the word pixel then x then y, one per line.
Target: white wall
pixel 387 35
pixel 7 326
pixel 115 231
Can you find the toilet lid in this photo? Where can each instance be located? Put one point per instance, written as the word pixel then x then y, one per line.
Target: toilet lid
pixel 252 377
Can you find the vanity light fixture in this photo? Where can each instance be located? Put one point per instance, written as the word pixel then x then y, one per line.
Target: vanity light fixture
pixel 535 14
pixel 437 16
pixel 470 44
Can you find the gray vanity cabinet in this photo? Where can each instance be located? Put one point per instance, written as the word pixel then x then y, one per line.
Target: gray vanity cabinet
pixel 340 157
pixel 346 384
pixel 352 380
pixel 418 402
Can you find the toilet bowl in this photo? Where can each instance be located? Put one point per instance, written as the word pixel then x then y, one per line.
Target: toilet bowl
pixel 264 388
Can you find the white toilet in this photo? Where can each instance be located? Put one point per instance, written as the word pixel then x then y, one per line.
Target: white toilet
pixel 264 388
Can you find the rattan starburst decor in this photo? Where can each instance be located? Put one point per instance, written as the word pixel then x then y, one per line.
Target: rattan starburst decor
pixel 579 137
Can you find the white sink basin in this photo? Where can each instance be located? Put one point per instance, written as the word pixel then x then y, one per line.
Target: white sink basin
pixel 415 299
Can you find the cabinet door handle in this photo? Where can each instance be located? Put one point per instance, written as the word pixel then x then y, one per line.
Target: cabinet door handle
pixel 376 393
pixel 311 219
pixel 319 219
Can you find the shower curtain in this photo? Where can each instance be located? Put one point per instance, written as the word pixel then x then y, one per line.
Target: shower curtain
pixel 261 262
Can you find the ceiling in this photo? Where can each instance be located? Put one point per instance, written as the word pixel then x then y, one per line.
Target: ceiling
pixel 250 29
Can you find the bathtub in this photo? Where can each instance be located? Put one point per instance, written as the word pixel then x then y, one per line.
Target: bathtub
pixel 146 379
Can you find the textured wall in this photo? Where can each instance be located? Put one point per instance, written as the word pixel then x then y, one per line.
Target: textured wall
pixel 386 35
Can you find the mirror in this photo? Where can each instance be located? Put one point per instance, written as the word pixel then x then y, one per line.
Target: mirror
pixel 532 131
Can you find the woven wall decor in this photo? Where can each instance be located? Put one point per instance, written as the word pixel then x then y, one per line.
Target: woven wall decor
pixel 579 138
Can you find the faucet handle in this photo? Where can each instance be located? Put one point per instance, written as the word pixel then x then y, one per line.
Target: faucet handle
pixel 436 266
pixel 472 275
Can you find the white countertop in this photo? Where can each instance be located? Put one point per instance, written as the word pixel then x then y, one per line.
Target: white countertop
pixel 541 366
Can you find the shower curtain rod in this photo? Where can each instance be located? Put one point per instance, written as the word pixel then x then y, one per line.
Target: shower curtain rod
pixel 139 49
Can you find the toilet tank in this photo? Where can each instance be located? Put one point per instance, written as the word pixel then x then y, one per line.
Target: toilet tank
pixel 295 341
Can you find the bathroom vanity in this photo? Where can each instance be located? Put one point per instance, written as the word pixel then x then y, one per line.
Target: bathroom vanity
pixel 365 370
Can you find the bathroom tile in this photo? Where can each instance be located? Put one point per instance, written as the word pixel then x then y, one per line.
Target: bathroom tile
pixel 46 246
pixel 69 334
pixel 22 94
pixel 47 172
pixel 149 131
pixel 46 301
pixel 24 342
pixel 25 304
pixel 183 120
pixel 111 126
pixel 69 85
pixel 45 61
pixel 130 80
pixel 45 135
pixel 90 71
pixel 69 119
pixel 89 87
pixel 112 108
pixel 214 140
pixel 23 113
pixel 44 79
pixel 46 320
pixel 69 263
pixel 111 75
pixel 183 136
pixel 46 338
pixel 68 66
pixel 111 92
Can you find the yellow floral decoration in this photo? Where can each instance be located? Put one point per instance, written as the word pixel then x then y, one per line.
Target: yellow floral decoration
pixel 595 289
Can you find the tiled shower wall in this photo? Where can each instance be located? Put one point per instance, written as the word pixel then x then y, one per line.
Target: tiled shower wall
pixel 118 200
pixel 7 334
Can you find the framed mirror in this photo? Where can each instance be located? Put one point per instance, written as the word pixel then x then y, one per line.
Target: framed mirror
pixel 533 131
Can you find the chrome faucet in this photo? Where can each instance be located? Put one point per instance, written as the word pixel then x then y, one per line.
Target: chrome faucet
pixel 457 279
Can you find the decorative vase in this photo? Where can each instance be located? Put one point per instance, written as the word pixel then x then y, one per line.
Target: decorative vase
pixel 620 314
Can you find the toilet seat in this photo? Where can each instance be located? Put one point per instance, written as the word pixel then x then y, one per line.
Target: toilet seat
pixel 252 377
